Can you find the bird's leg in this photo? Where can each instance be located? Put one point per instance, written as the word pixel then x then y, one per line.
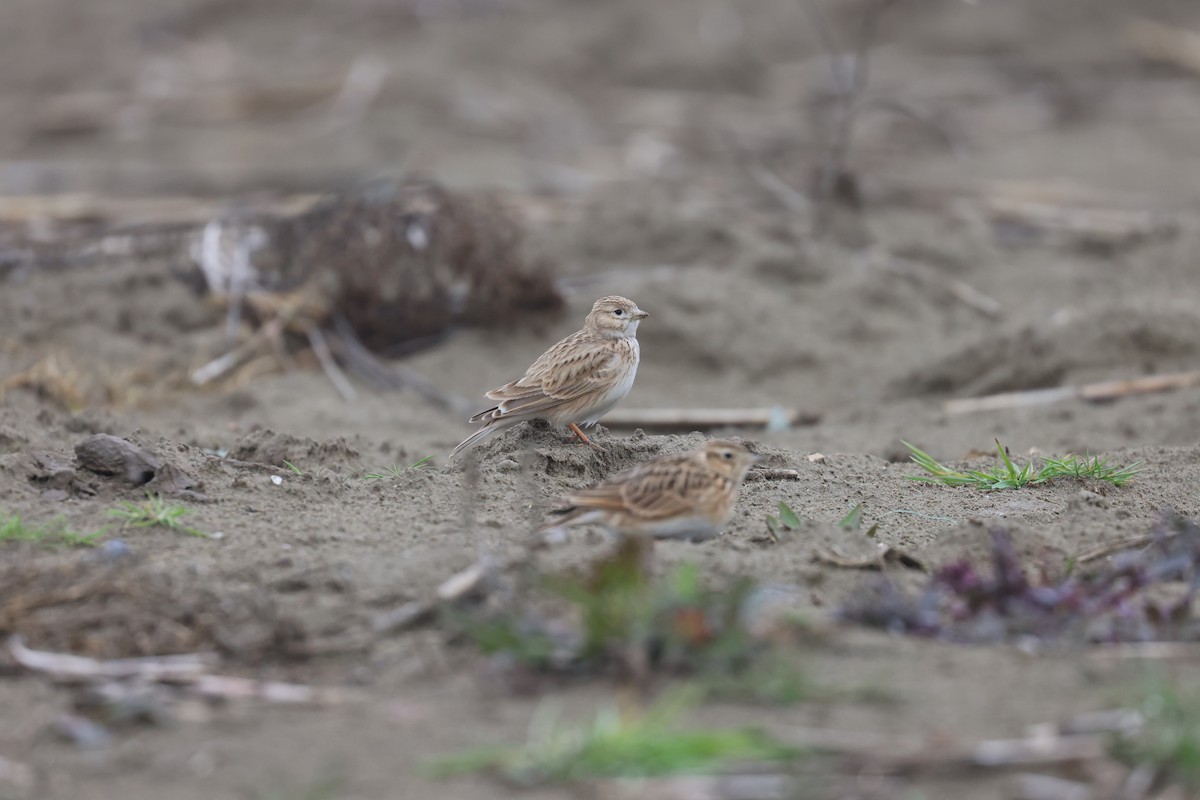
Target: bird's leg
pixel 575 429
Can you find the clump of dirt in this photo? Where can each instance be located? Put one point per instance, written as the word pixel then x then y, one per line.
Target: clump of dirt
pixel 537 447
pixel 90 606
pixel 400 263
pixel 265 446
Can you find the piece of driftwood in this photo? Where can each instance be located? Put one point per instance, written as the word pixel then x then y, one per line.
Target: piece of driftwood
pixel 232 687
pixel 89 113
pixel 692 419
pixel 1031 786
pixel 65 666
pixel 1150 651
pixel 1108 548
pixel 887 556
pixel 1084 736
pixel 1093 392
pixel 1038 751
pixel 190 672
pixel 131 212
pixel 1166 44
pixel 1063 224
pixel 736 785
pixel 773 474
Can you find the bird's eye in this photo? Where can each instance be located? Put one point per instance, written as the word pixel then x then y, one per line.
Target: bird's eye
pixel 727 455
pixel 619 312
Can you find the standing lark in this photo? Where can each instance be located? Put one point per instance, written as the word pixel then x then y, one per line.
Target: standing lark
pixel 681 496
pixel 575 382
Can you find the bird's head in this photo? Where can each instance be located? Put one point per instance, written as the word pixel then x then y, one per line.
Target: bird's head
pixel 614 316
pixel 729 458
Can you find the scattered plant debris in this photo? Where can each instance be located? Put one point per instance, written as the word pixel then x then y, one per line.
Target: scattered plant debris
pixel 383 271
pixel 1008 476
pixel 1008 600
pixel 619 618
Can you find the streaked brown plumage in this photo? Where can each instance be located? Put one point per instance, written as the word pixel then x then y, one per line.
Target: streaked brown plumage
pixel 687 495
pixel 575 382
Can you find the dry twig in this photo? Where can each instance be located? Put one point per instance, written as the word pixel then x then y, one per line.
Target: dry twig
pixel 706 418
pixel 1166 44
pixel 1108 548
pixel 1094 392
pixel 66 666
pixel 773 474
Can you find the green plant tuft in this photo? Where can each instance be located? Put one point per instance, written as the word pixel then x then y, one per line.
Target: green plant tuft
pixel 614 745
pixel 55 534
pixel 1007 475
pixel 396 470
pixel 153 512
pixel 786 521
pixel 1168 739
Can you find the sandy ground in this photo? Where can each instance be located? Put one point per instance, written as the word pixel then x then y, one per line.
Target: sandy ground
pixel 627 132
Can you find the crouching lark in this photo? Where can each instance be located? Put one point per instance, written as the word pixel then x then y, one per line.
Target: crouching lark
pixel 681 496
pixel 575 382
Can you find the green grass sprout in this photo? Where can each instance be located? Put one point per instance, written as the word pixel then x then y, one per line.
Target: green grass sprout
pixel 786 521
pixel 1168 739
pixel 853 519
pixel 1007 475
pixel 616 746
pixel 14 529
pixel 154 512
pixel 396 470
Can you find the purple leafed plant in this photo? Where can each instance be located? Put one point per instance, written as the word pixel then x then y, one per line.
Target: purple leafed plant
pixel 1142 595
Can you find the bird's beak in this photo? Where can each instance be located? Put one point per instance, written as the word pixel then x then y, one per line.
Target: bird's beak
pixel 639 314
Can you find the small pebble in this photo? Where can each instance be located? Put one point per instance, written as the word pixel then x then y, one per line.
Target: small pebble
pixel 82 732
pixel 277 480
pixel 816 458
pixel 112 551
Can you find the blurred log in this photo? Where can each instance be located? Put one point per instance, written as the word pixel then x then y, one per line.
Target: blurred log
pixel 68 666
pixel 1094 392
pixel 1166 44
pixel 693 419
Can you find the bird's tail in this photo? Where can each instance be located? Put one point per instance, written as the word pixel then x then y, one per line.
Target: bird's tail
pixel 474 439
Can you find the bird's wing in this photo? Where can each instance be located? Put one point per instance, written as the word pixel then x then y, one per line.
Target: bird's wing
pixel 658 489
pixel 575 367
